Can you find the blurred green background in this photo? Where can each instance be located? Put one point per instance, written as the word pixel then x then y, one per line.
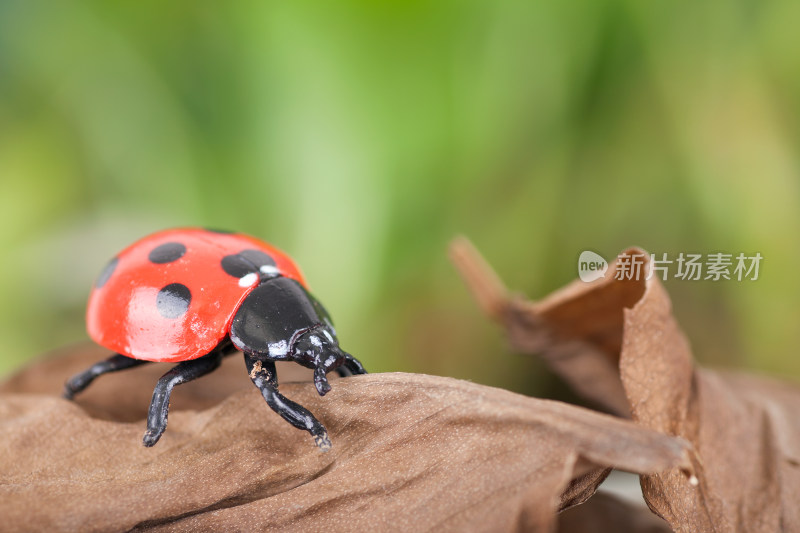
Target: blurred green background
pixel 362 136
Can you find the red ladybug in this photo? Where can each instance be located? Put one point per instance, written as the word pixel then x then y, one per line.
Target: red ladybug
pixel 193 296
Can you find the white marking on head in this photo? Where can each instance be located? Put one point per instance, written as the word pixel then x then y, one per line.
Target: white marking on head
pixel 278 349
pixel 327 334
pixel 248 279
pixel 315 341
pixel 270 270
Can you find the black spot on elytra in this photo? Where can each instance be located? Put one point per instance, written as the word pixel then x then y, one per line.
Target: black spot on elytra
pixel 173 300
pixel 167 252
pixel 106 273
pixel 246 262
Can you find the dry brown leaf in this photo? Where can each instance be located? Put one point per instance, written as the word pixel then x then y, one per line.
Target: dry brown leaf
pixel 617 343
pixel 605 513
pixel 410 453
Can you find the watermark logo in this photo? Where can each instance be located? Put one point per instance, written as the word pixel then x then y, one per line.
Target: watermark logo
pixel 685 266
pixel 591 266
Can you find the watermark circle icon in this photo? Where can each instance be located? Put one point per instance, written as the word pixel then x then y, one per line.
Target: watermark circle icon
pixel 591 266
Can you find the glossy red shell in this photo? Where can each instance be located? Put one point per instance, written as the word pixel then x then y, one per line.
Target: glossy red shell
pixel 122 314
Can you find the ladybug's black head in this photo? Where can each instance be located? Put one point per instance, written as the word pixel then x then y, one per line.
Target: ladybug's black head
pixel 317 348
pixel 279 321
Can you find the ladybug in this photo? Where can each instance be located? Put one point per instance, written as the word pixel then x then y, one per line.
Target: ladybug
pixel 193 296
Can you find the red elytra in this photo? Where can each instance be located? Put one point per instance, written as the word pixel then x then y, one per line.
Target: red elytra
pixel 132 309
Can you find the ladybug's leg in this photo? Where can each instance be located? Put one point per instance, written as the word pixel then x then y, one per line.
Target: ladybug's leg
pixel 350 367
pixel 85 378
pixel 180 373
pixel 264 377
pixel 321 379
